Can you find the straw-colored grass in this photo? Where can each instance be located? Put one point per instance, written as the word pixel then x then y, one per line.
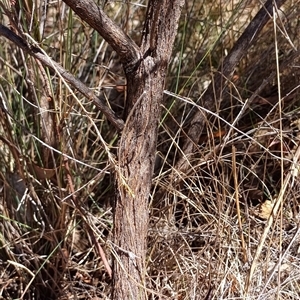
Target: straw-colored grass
pixel 212 231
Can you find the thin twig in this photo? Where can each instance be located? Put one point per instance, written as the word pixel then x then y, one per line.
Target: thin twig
pixel 89 229
pixel 212 95
pixel 91 13
pixel 76 83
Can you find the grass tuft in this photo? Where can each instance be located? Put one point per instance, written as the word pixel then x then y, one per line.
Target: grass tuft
pixel 225 229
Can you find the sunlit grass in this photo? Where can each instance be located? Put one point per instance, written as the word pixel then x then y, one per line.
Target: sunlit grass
pixel 205 227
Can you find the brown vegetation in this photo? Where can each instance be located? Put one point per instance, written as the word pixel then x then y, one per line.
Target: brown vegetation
pixel 79 120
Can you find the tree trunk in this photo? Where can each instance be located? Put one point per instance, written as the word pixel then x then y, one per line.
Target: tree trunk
pixel 145 84
pixel 136 160
pixel 145 68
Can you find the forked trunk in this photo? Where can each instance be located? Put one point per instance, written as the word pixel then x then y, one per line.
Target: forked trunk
pixel 145 85
pixel 145 68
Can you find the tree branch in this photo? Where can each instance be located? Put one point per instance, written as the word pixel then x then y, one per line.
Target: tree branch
pixel 76 83
pixel 213 93
pixel 125 47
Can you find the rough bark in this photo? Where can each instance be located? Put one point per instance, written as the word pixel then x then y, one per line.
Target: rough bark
pixel 136 160
pixel 145 68
pixel 145 84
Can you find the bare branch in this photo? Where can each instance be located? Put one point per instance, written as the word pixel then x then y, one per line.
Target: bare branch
pixel 88 11
pixel 213 93
pixel 77 84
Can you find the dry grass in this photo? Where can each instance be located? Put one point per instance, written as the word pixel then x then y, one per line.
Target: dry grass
pixel 208 232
